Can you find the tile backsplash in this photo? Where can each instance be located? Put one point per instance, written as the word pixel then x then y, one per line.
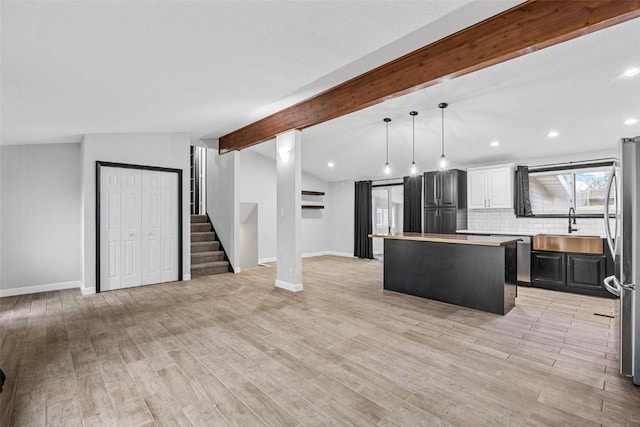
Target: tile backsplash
pixel 504 220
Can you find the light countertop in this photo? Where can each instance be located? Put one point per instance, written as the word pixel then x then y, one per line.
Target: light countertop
pixel 449 238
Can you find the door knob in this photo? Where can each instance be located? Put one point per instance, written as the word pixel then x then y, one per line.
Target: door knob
pixel 149 233
pixel 132 234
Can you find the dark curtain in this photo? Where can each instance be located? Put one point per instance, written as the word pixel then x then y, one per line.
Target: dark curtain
pixel 412 204
pixel 522 200
pixel 363 245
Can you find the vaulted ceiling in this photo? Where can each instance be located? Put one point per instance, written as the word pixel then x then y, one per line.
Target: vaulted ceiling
pixel 576 88
pixel 203 67
pixel 207 68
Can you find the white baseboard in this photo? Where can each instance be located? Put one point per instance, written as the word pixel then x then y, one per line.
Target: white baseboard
pixel 344 254
pixel 40 288
pixel 314 254
pixel 309 255
pixel 186 276
pixel 88 291
pixel 324 253
pixel 293 287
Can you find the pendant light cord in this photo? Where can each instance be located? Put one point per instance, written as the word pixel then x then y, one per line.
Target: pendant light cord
pixel 387 140
pixel 442 131
pixel 413 118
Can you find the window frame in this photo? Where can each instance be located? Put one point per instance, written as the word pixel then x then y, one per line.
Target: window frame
pixel 569 168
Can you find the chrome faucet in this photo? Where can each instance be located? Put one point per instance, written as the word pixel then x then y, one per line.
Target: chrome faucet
pixel 571 229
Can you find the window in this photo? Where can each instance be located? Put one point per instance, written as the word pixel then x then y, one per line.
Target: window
pixel 555 191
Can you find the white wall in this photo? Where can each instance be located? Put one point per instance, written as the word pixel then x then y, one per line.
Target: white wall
pixel 170 150
pixel 316 230
pixel 258 185
pixel 257 180
pixel 223 203
pixel 248 241
pixel 341 217
pixel 1 215
pixel 40 218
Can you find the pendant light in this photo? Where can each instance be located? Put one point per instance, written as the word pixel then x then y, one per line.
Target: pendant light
pixel 414 169
pixel 443 164
pixel 387 168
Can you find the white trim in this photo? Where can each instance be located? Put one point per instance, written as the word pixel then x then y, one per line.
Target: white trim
pixel 309 255
pixel 314 254
pixel 293 287
pixel 88 291
pixel 40 288
pixel 186 276
pixel 344 254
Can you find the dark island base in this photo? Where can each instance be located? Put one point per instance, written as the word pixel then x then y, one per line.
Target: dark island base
pixel 480 277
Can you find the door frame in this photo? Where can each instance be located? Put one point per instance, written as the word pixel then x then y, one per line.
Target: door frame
pixel 99 165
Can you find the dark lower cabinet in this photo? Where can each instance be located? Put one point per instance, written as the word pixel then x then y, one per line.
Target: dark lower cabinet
pixel 431 223
pixel 579 273
pixel 548 268
pixel 440 220
pixel 448 220
pixel 585 271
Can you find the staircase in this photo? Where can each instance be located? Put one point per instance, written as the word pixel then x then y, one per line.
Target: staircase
pixel 206 255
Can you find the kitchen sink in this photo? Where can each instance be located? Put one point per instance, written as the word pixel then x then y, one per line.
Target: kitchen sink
pixel 568 243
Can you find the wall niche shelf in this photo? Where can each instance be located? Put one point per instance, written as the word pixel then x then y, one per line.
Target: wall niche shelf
pixel 312 197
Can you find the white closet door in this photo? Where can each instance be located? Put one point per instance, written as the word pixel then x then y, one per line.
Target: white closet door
pixel 170 226
pixel 110 233
pixel 151 227
pixel 138 227
pixel 131 228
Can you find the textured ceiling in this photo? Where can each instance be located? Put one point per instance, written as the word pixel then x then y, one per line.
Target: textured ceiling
pixel 204 67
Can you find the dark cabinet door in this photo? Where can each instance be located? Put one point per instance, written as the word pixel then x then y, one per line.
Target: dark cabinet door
pixel 447 218
pixel 548 268
pixel 431 189
pixel 585 271
pixel 448 188
pixel 431 223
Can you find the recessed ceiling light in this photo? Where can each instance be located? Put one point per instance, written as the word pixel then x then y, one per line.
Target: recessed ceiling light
pixel 553 134
pixel 330 164
pixel 630 122
pixel 494 143
pixel 631 72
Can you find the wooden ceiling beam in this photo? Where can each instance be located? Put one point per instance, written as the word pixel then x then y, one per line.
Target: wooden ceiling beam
pixel 523 29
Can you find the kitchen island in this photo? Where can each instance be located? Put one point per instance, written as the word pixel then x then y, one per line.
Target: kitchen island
pixel 472 271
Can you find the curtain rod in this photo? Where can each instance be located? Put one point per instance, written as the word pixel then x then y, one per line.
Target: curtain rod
pixel 605 159
pixel 386 179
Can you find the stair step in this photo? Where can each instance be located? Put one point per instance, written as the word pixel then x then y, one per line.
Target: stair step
pixel 198 218
pixel 198 247
pixel 207 256
pixel 207 268
pixel 198 227
pixel 207 236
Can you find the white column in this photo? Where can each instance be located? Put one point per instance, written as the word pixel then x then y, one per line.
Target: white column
pixel 289 226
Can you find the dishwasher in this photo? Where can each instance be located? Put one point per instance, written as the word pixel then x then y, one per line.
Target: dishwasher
pixel 524 257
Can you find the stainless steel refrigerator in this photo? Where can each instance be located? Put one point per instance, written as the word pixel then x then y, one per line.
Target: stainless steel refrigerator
pixel 623 240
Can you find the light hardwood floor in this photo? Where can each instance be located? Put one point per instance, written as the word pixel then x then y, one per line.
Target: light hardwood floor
pixel 233 350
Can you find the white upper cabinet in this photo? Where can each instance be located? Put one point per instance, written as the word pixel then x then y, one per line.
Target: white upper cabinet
pixel 490 188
